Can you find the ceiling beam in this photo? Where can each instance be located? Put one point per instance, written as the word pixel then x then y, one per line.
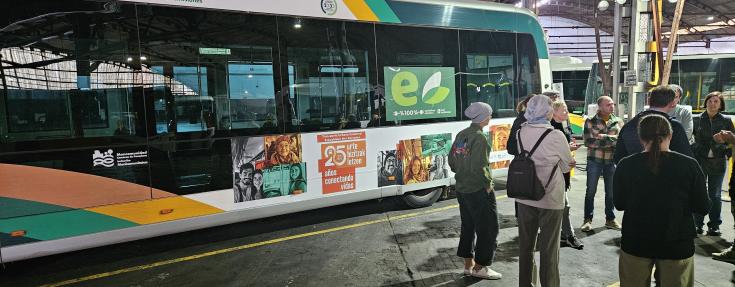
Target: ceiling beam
pixel 709 9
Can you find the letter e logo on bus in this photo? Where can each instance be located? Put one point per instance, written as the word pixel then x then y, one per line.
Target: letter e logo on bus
pixel 419 92
pixel 405 83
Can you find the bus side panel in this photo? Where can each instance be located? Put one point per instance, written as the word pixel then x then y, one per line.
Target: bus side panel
pixel 180 213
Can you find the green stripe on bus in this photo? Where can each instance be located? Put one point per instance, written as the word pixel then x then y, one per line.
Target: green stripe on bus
pixel 383 11
pixel 467 18
pixel 13 207
pixel 62 224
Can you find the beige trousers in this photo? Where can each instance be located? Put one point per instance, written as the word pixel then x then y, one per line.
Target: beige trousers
pixel 635 271
pixel 530 219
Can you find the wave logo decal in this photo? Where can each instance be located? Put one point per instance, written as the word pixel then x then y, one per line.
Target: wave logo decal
pixel 106 159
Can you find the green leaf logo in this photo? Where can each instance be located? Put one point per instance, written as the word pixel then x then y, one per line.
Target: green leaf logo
pixel 440 93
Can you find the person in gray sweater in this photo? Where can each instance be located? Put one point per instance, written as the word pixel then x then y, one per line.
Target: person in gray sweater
pixel 544 214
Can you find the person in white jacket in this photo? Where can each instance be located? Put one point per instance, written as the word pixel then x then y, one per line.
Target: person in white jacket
pixel 545 214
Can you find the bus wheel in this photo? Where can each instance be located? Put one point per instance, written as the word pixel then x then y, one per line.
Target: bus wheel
pixel 422 198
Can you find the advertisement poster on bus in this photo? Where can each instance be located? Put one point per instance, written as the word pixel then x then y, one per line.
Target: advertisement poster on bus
pixel 419 93
pixel 438 144
pixel 282 149
pixel 390 170
pixel 499 156
pixel 341 155
pixel 284 179
pixel 436 148
pixel 248 161
pixel 414 165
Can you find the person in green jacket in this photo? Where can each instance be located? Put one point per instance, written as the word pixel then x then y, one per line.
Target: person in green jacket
pixel 468 159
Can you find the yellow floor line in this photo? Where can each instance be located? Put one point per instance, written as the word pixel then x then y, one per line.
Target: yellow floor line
pixel 252 245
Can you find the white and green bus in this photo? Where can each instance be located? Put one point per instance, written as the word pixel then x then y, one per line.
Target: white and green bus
pixel 124 120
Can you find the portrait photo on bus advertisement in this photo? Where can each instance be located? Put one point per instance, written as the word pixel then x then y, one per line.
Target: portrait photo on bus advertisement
pixel 498 136
pixel 438 144
pixel 390 169
pixel 438 167
pixel 284 179
pixel 414 165
pixel 282 149
pixel 248 160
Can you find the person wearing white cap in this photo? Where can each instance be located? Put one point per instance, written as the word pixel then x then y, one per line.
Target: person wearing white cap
pixel 478 211
pixel 545 214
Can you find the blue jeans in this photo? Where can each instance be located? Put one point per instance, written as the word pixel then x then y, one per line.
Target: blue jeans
pixel 594 171
pixel 714 189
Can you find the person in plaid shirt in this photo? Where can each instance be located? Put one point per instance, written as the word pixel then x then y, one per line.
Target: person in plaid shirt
pixel 600 137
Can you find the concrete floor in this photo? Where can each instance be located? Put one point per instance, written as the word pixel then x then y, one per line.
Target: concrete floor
pixel 418 250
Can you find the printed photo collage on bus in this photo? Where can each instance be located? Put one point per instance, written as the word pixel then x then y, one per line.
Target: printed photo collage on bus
pixel 415 160
pixel 267 167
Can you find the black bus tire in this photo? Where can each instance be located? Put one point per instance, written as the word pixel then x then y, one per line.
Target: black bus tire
pixel 422 198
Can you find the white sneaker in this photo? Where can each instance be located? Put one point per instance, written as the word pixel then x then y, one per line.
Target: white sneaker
pixel 468 272
pixel 486 273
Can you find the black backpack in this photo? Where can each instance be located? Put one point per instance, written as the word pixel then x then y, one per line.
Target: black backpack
pixel 522 180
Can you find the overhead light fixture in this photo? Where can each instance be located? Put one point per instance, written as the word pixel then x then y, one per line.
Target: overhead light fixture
pixel 603 5
pixel 519 4
pixel 297 24
pixel 130 59
pixel 672 1
pixel 143 58
pixel 621 2
pixel 710 18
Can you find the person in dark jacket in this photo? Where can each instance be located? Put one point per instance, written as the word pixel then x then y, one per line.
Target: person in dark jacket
pixel 662 101
pixel 559 121
pixel 512 144
pixel 659 190
pixel 469 160
pixel 728 255
pixel 711 151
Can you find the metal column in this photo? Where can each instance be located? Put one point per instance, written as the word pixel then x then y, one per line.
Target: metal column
pixel 615 69
pixel 640 31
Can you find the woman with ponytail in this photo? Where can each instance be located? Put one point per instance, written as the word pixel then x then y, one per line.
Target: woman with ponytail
pixel 659 193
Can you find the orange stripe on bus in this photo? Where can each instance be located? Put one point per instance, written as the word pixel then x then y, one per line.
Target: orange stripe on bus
pixel 361 10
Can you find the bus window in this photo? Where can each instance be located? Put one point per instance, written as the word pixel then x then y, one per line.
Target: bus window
pixel 74 87
pixel 330 76
pixel 488 70
pixel 211 77
pixel 210 81
pixel 529 79
pixel 418 67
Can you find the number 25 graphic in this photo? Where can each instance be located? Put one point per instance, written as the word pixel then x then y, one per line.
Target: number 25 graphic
pixel 336 156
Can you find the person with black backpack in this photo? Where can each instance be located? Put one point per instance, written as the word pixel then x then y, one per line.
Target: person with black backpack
pixel 469 160
pixel 535 179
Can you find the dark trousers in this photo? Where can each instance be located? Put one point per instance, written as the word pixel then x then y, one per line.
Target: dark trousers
pixel 479 213
pixel 714 189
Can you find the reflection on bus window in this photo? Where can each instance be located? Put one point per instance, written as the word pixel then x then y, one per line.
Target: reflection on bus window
pixel 489 68
pixel 331 74
pixel 52 91
pixel 217 70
